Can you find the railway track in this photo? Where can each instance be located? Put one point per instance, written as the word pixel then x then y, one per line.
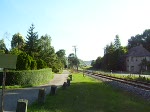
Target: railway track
pixel 138 84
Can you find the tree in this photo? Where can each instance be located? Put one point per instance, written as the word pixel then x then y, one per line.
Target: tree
pixel 32 41
pixel 73 61
pixel 109 48
pixel 117 42
pixel 97 63
pixel 93 63
pixel 113 58
pixel 140 39
pixel 3 48
pixel 47 52
pixel 61 56
pixel 44 43
pixel 15 51
pixel 17 41
pixel 57 66
pixel 135 41
pixel 146 39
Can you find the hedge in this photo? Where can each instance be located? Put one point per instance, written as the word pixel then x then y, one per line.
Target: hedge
pixel 28 77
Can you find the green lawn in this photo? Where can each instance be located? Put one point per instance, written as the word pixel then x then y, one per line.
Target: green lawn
pixel 89 95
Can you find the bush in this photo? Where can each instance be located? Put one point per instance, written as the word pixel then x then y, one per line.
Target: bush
pixel 41 64
pixel 23 62
pixel 57 66
pixel 28 78
pixel 33 65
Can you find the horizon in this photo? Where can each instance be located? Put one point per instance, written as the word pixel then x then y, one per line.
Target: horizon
pixel 88 24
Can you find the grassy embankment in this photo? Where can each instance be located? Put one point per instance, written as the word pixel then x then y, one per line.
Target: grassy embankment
pixel 89 95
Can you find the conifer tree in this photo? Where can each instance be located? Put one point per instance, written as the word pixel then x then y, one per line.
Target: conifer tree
pixel 32 41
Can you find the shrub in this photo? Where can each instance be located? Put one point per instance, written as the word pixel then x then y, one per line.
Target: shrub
pixel 28 77
pixel 33 65
pixel 57 66
pixel 23 61
pixel 41 64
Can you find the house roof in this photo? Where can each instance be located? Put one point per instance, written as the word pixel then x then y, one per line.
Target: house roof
pixel 138 51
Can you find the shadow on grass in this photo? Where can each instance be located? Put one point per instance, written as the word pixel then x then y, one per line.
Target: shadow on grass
pixel 90 97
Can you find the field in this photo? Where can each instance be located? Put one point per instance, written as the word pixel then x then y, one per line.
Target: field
pixel 89 95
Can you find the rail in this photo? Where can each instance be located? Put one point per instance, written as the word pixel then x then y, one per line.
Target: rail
pixel 139 84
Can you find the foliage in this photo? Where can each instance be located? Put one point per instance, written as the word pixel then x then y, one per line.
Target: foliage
pixel 117 42
pixel 35 53
pixel 82 64
pixel 17 41
pixel 2 51
pixel 140 39
pixel 33 64
pixel 32 41
pixel 41 64
pixel 61 56
pixel 23 61
pixel 15 51
pixel 97 63
pixel 113 58
pixel 89 95
pixel 3 48
pixel 57 66
pixel 73 61
pixel 29 77
pixel 47 52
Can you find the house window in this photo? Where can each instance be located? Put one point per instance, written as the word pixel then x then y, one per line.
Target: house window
pixel 132 68
pixel 132 59
pixel 136 59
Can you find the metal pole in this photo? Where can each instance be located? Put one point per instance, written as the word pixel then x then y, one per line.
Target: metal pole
pixel 3 90
pixel 75 50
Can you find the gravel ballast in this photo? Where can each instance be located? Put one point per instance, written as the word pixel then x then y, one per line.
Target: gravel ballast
pixel 135 90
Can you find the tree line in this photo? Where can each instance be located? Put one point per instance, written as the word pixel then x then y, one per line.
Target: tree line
pixel 113 58
pixel 114 53
pixel 34 52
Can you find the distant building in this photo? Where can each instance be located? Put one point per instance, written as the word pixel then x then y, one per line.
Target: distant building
pixel 135 57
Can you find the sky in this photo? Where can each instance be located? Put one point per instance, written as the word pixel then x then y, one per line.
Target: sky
pixel 89 25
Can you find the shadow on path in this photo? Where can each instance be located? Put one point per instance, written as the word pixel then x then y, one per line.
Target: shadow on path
pixel 31 94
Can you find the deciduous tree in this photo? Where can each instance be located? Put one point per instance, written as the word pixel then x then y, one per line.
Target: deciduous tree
pixel 61 56
pixel 3 48
pixel 17 41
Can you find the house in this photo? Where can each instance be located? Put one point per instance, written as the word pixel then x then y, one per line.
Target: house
pixel 135 57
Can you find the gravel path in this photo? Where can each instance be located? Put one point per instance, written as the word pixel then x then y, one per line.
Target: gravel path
pixel 31 94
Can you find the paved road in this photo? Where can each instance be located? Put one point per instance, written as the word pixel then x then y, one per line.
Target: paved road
pixel 31 94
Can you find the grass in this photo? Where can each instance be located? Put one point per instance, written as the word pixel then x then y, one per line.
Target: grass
pixel 125 76
pixel 12 87
pixel 89 95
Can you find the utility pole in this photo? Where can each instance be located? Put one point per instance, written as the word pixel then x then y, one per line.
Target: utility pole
pixel 75 51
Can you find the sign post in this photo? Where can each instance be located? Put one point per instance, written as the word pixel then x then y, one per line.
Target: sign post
pixel 7 61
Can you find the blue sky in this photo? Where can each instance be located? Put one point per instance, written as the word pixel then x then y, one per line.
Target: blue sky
pixel 88 24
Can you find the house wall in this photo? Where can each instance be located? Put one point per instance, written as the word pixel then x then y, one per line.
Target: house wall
pixel 132 63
